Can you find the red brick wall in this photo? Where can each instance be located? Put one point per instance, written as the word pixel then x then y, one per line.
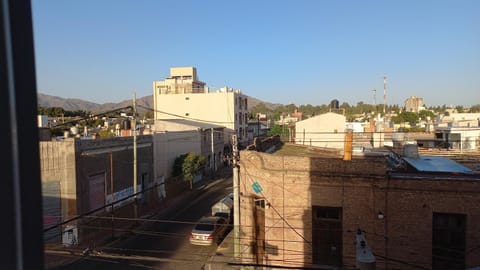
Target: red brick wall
pixel 361 187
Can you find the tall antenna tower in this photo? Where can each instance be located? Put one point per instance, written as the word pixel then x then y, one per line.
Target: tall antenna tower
pixel 375 99
pixel 384 93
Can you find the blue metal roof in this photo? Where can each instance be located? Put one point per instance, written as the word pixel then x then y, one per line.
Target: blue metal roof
pixel 436 164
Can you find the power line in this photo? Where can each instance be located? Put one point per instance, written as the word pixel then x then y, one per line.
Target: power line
pixel 101 208
pixel 93 116
pixel 185 117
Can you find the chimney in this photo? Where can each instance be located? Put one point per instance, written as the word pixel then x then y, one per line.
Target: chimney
pixel 348 148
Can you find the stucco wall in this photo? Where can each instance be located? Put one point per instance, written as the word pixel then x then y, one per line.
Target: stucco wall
pixel 326 130
pixel 57 164
pixel 220 108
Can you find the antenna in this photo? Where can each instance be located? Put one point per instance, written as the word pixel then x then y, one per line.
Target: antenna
pixel 375 98
pixel 384 93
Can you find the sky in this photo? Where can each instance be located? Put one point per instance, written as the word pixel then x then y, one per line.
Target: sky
pixel 279 51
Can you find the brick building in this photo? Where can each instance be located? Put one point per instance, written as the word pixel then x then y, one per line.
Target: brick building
pixel 80 176
pixel 304 211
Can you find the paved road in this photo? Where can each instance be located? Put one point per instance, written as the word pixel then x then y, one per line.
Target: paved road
pixel 163 242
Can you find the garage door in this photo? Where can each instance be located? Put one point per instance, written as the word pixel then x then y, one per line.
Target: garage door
pixel 51 211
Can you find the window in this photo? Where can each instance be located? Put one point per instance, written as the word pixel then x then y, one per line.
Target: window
pixel 260 203
pixel 187 98
pixel 187 114
pixel 327 213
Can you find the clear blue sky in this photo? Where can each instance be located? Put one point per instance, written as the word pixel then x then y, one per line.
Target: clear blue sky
pixel 297 51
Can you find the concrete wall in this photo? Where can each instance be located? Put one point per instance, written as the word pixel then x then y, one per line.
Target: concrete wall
pixel 169 145
pixel 220 108
pixel 57 164
pixel 326 130
pixel 293 185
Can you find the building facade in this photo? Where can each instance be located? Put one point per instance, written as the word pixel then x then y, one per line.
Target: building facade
pixel 176 137
pixel 414 104
pixel 182 80
pixel 299 211
pixel 325 130
pixel 82 176
pixel 226 107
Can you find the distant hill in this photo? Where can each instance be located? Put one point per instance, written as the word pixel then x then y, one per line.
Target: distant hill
pixel 70 104
pixel 252 102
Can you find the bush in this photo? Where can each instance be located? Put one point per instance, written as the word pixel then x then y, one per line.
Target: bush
pixel 178 164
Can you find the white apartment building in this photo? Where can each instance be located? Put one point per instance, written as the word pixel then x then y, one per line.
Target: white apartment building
pixel 182 80
pixel 193 101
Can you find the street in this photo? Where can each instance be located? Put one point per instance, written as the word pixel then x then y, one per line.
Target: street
pixel 162 242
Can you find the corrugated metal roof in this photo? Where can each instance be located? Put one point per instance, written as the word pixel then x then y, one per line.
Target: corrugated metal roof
pixel 436 164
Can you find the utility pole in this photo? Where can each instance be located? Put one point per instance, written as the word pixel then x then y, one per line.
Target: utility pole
pixel 213 152
pixel 384 94
pixel 135 153
pixel 112 192
pixel 236 199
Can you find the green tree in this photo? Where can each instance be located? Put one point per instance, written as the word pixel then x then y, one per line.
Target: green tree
pixel 275 130
pixel 106 134
pixel 177 165
pixel 148 114
pixel 409 117
pixel 192 166
pixel 423 114
pixel 475 108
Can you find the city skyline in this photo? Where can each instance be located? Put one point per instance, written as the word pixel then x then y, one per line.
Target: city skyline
pixel 307 52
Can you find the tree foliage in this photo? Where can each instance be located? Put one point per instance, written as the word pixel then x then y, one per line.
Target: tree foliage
pixel 275 130
pixel 406 117
pixel 59 111
pixel 106 134
pixel 178 164
pixel 423 114
pixel 192 165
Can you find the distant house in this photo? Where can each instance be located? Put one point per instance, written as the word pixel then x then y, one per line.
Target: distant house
pixel 458 131
pixel 325 130
pixel 459 120
pixel 256 129
pixel 286 119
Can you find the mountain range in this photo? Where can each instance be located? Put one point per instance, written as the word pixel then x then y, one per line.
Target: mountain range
pixel 74 104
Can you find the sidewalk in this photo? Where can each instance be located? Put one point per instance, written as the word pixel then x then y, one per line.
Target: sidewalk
pixel 66 255
pixel 223 255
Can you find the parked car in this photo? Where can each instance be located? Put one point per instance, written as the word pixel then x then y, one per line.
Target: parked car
pixel 223 208
pixel 208 231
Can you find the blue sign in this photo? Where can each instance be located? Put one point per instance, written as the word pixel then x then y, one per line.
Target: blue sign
pixel 256 187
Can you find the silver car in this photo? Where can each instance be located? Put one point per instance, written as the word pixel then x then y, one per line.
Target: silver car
pixel 208 230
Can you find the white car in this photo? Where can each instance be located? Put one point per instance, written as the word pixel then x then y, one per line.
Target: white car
pixel 208 231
